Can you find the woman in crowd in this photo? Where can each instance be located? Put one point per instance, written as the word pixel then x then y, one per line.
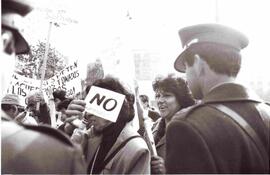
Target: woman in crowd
pixel 172 94
pixel 106 138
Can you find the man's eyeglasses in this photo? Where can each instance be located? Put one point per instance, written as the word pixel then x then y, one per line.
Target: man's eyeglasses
pixel 20 109
pixel 31 106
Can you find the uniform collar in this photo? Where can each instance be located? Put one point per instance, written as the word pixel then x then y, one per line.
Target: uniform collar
pixel 229 92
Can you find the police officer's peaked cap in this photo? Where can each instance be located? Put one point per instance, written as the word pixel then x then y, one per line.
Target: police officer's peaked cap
pixel 197 35
pixel 12 12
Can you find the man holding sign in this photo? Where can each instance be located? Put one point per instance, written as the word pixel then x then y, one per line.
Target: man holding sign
pixel 115 148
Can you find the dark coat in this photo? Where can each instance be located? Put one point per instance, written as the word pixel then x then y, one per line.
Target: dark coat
pixel 202 139
pixel 159 137
pixel 133 158
pixel 37 150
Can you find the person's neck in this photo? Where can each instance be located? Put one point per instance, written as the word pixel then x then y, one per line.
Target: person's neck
pixel 113 130
pixel 214 81
pixel 166 122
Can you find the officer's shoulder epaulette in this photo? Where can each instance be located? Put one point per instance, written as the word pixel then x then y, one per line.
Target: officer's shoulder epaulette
pixel 47 130
pixel 183 113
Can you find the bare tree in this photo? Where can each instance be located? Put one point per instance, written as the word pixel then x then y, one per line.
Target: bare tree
pixel 29 65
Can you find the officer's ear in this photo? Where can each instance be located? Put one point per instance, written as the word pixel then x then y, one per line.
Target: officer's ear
pixel 199 65
pixel 202 66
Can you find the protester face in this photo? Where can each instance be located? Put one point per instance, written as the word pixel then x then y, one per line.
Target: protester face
pixel 99 124
pixel 19 109
pixel 32 102
pixel 144 104
pixel 88 120
pixel 167 104
pixel 7 60
pixel 31 107
pixel 14 111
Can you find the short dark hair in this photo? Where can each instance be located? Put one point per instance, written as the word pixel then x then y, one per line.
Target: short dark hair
pixel 127 112
pixel 176 85
pixel 221 59
pixel 61 94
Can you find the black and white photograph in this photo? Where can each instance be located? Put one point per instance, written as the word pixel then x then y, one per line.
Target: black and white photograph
pixel 135 87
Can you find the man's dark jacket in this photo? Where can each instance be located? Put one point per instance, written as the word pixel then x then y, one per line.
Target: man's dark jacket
pixel 202 139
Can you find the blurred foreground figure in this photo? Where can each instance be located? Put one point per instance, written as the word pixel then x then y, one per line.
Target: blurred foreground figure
pixel 228 132
pixel 29 149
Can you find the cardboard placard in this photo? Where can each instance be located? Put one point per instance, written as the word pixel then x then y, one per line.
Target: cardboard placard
pixel 104 103
pixel 67 79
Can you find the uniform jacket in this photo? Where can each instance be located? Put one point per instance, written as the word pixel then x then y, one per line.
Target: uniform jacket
pixel 202 139
pixel 133 158
pixel 37 150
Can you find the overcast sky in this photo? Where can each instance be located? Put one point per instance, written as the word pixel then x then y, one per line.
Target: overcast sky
pixel 153 26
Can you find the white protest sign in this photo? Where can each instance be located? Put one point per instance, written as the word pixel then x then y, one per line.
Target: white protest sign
pixel 67 79
pixel 22 86
pixel 104 103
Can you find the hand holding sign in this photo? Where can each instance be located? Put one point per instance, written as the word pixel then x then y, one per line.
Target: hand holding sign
pixel 75 110
pixel 104 103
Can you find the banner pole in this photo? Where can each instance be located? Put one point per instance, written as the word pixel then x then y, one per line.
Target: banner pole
pixel 44 65
pixel 146 124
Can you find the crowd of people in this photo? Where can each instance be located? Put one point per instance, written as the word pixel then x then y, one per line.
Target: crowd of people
pixel 203 123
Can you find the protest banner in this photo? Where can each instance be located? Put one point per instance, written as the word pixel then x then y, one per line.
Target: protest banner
pixel 22 86
pixel 68 79
pixel 104 103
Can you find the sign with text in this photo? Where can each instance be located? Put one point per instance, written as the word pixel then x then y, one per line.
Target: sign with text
pixel 104 103
pixel 67 79
pixel 22 86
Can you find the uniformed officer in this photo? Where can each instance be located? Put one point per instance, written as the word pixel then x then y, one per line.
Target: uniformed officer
pixel 228 132
pixel 29 149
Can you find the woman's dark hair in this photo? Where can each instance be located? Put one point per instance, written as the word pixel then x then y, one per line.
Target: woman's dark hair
pixel 127 112
pixel 176 85
pixel 60 94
